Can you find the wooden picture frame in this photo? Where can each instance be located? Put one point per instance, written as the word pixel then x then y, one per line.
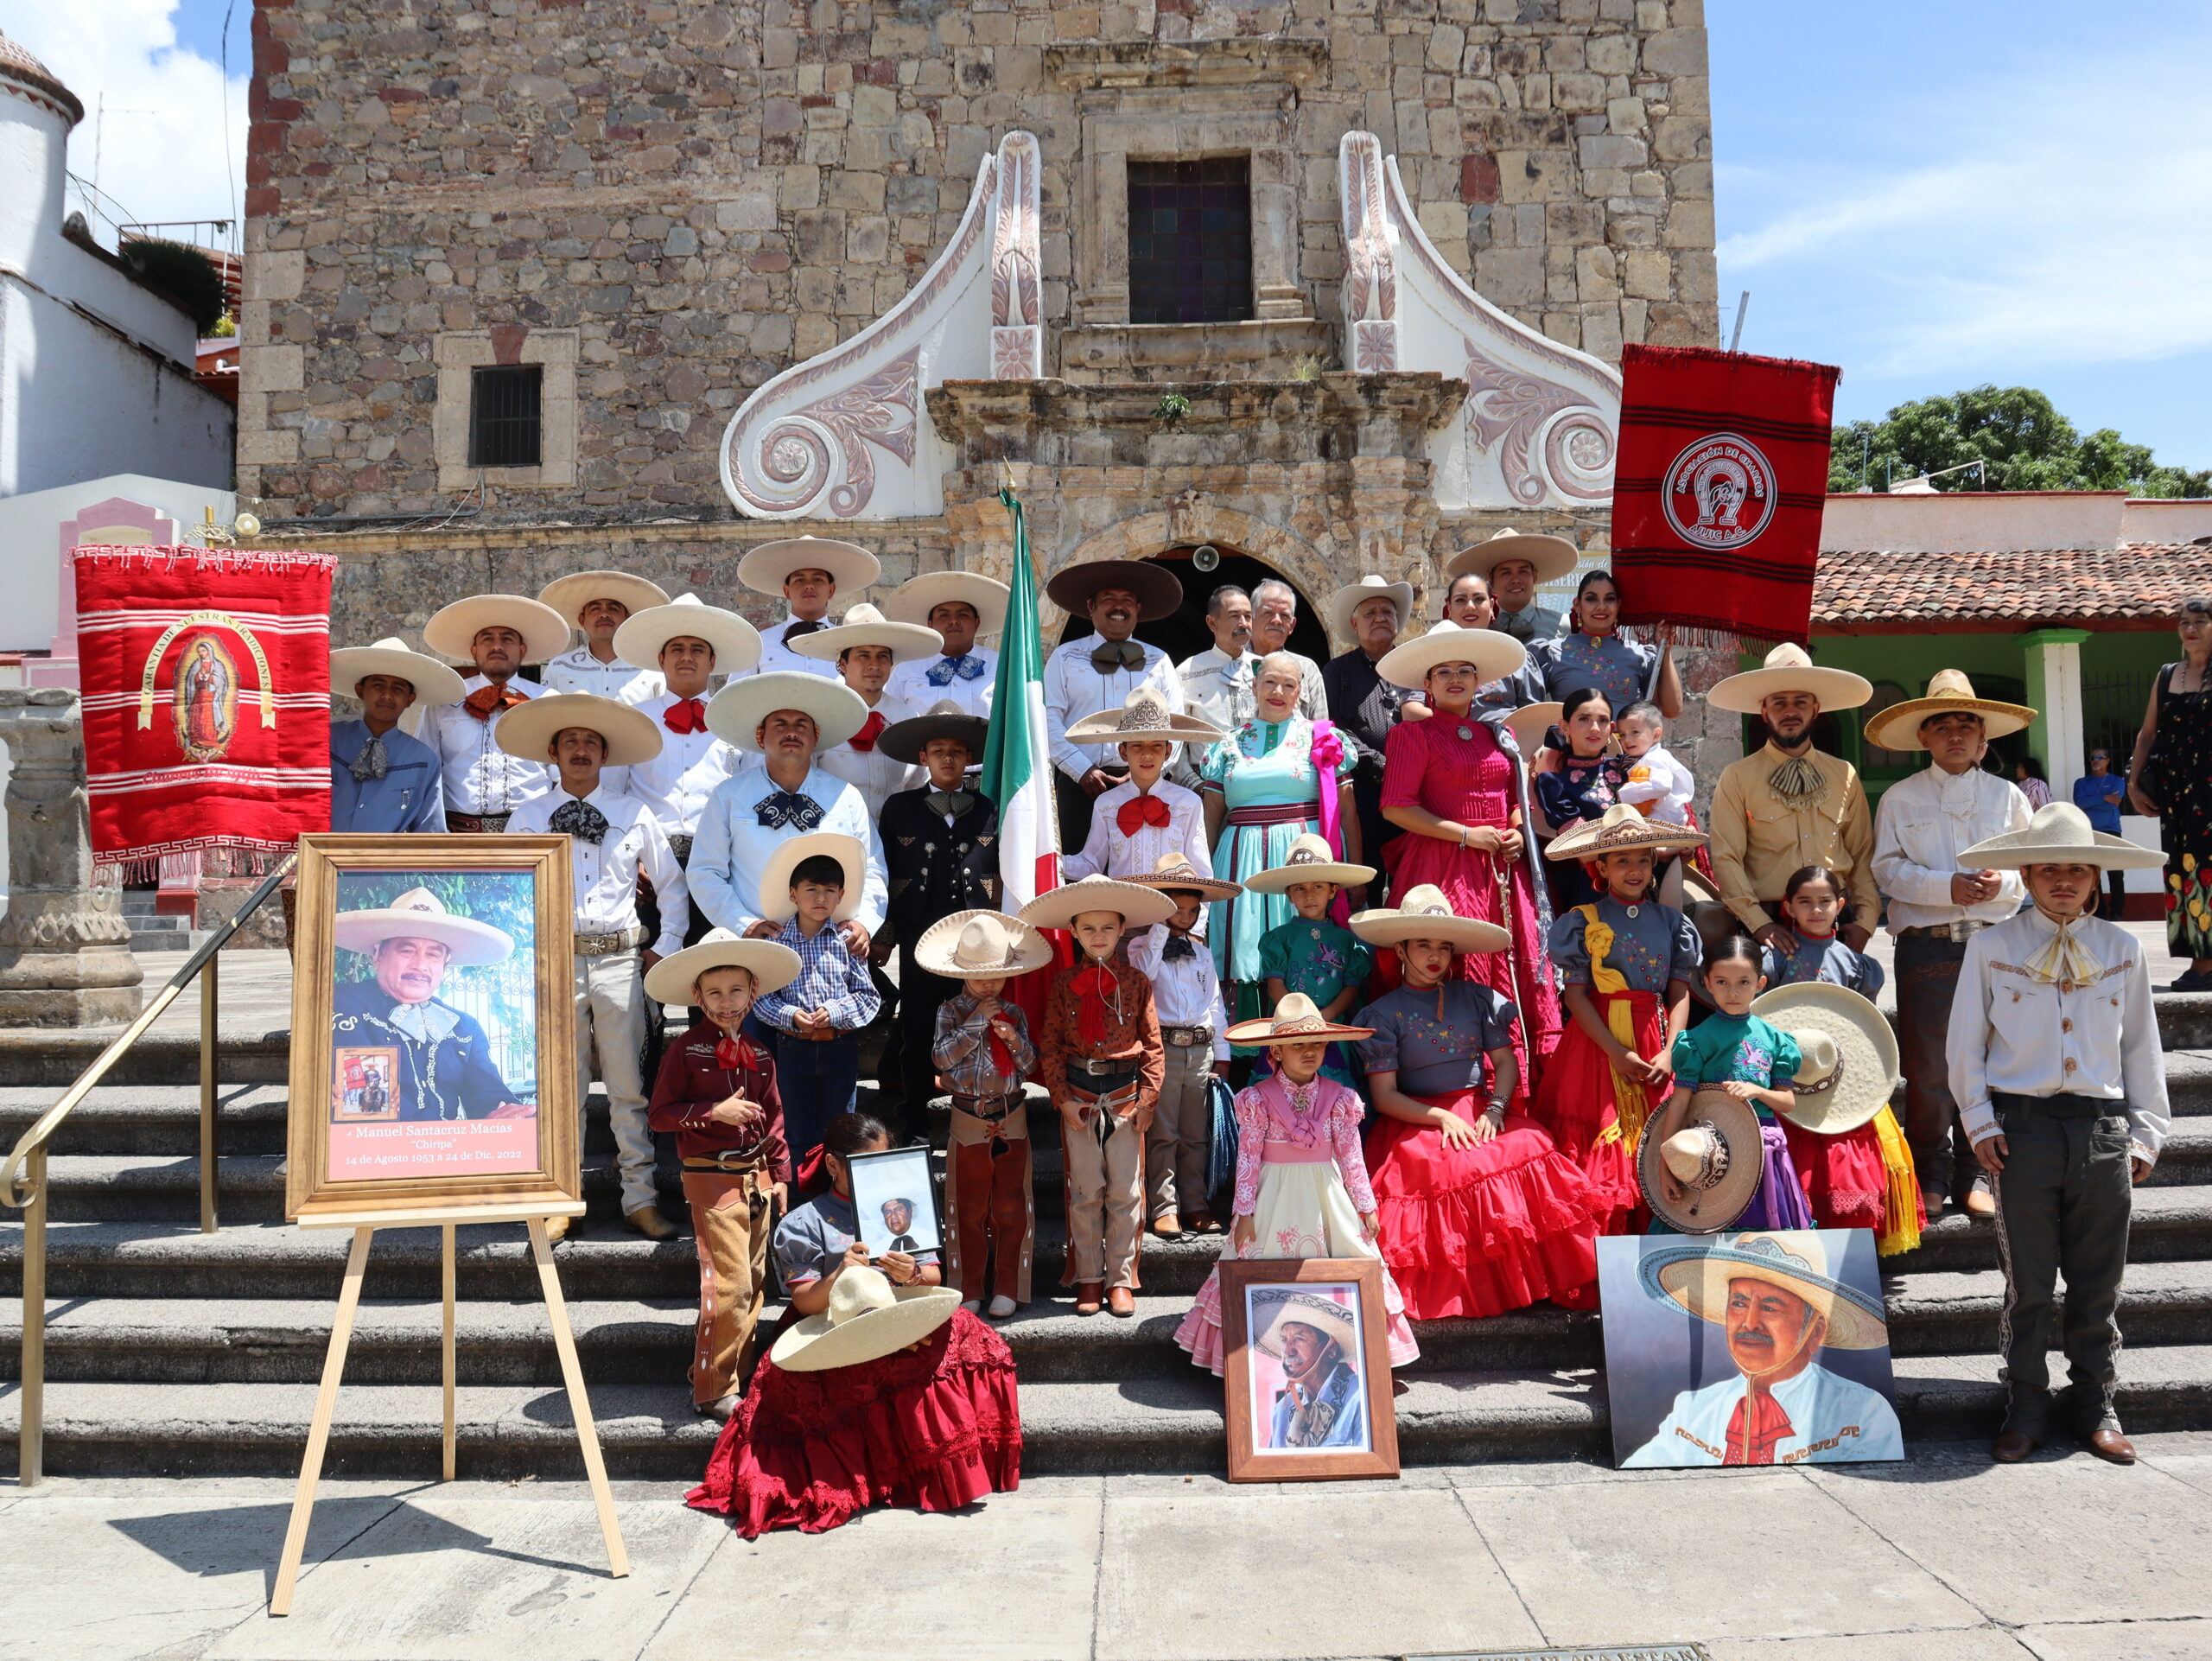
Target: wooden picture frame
pixel 497 1145
pixel 1275 1290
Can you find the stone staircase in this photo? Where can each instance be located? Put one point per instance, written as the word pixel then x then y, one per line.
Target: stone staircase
pixel 153 931
pixel 172 1351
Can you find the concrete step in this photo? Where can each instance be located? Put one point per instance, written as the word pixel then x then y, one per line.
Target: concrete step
pixel 2171 1224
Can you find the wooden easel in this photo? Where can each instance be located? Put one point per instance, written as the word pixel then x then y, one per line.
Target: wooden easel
pixel 365 1224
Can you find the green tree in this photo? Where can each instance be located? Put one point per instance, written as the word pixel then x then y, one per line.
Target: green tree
pixel 2020 436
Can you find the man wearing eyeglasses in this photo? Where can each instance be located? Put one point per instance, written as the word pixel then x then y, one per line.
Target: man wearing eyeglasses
pixel 2098 793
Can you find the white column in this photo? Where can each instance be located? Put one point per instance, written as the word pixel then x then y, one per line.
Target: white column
pixel 2058 738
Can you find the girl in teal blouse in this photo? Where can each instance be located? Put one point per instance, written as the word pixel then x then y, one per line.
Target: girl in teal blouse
pixel 1313 955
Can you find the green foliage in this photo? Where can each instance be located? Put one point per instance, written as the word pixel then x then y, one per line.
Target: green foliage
pixel 183 274
pixel 2018 431
pixel 1170 408
pixel 227 328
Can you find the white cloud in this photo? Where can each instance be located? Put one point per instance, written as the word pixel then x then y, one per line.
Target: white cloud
pixel 161 148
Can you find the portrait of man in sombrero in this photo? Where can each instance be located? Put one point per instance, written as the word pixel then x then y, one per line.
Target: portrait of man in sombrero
pixel 1315 1396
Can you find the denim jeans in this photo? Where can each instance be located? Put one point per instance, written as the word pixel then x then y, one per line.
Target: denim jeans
pixel 818 1082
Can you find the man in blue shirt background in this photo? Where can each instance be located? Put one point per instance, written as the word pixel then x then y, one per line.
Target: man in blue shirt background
pixel 2098 793
pixel 381 779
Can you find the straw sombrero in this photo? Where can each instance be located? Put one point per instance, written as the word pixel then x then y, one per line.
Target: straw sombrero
pixel 452 631
pixel 2058 835
pixel 864 624
pixel 1139 906
pixel 1324 1314
pixel 903 740
pixel 868 1319
pixel 569 596
pixel 1949 692
pixel 1717 1155
pixel 735 713
pixel 1425 914
pixel 1176 871
pixel 1532 723
pixel 914 602
pixel 1855 1079
pixel 1310 859
pixel 775 896
pixel 851 567
pixel 1621 828
pixel 1297 1020
pixel 1697 1276
pixel 772 966
pixel 526 729
pixel 1159 595
pixel 980 945
pixel 1553 557
pixel 1144 715
pixel 736 642
pixel 1495 655
pixel 1346 601
pixel 433 682
pixel 418 914
pixel 1789 668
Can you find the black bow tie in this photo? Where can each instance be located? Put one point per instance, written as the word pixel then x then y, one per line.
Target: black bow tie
pixel 950 802
pixel 581 820
pixel 1179 947
pixel 802 628
pixel 788 807
pixel 1109 655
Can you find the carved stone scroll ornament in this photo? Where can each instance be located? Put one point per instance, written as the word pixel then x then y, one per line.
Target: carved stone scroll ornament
pixel 1543 436
pixel 1370 295
pixel 1017 291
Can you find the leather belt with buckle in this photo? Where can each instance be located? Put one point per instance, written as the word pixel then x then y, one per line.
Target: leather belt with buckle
pixel 478 825
pixel 1183 1037
pixel 1102 1069
pixel 733 1164
pixel 1957 933
pixel 601 946
pixel 989 1108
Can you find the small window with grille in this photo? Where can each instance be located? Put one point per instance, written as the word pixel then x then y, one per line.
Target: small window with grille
pixel 1190 240
pixel 506 422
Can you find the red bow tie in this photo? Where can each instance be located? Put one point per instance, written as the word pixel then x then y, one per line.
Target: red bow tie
pixel 1754 1443
pixel 685 716
pixel 487 701
pixel 871 730
pixel 740 1054
pixel 1141 811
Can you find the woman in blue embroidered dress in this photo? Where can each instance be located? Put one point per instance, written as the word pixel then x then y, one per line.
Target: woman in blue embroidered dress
pixel 1592 652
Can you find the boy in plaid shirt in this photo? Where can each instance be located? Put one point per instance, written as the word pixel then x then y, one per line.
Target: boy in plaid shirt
pixel 811 884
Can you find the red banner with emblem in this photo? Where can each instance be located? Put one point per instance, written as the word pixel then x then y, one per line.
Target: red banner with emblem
pixel 207 699
pixel 1722 474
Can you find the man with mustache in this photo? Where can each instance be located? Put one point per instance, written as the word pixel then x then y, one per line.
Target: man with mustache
pixel 1322 1403
pixel 1512 564
pixel 1098 672
pixel 445 1068
pixel 498 632
pixel 1217 682
pixel 807 571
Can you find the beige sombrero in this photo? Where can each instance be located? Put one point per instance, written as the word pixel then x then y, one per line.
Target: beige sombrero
pixel 1425 914
pixel 863 624
pixel 774 898
pixel 570 594
pixel 1322 1314
pixel 851 567
pixel 1850 1053
pixel 1697 1277
pixel 1139 907
pixel 2058 835
pixel 1144 716
pixel 736 642
pixel 1789 668
pixel 1495 655
pixel 868 1319
pixel 434 682
pixel 980 945
pixel 1532 722
pixel 1622 828
pixel 1717 1155
pixel 1346 601
pixel 1310 859
pixel 1159 595
pixel 418 914
pixel 735 713
pixel 1176 871
pixel 903 740
pixel 1949 692
pixel 912 601
pixel 452 631
pixel 1297 1020
pixel 526 729
pixel 771 965
pixel 1553 557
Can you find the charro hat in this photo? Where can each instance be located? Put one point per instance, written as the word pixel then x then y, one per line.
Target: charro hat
pixel 1159 595
pixel 433 682
pixel 1297 1020
pixel 1425 914
pixel 735 713
pixel 526 729
pixel 570 594
pixel 1531 723
pixel 851 567
pixel 772 966
pixel 1176 871
pixel 1323 1313
pixel 1309 860
pixel 1949 692
pixel 864 624
pixel 980 945
pixel 903 740
pixel 1789 668
pixel 775 896
pixel 2060 834
pixel 452 630
pixel 1717 1158
pixel 1346 601
pixel 866 1319
pixel 1138 906
pixel 1553 557
pixel 418 914
pixel 1853 1077
pixel 1620 828
pixel 1494 654
pixel 1144 715
pixel 643 633
pixel 912 601
pixel 1697 1276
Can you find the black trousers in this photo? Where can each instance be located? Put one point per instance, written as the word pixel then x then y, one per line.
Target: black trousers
pixel 2063 1201
pixel 1928 977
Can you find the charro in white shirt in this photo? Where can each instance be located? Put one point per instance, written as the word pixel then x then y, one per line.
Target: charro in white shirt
pixel 1107 852
pixel 875 775
pixel 1186 992
pixel 910 683
pixel 776 657
pixel 1076 687
pixel 577 671
pixel 482 780
pixel 675 784
pixel 1924 823
pixel 605 873
pixel 733 847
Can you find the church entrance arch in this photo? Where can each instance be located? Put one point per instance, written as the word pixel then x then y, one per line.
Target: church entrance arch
pixel 1185 634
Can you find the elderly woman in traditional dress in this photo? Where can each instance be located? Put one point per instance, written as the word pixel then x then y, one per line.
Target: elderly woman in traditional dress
pixel 1591 653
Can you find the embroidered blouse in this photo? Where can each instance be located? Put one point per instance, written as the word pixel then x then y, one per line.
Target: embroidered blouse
pixel 1743 1047
pixel 1319 959
pixel 1655 946
pixel 1583 788
pixel 1299 1126
pixel 1829 960
pixel 1436 1046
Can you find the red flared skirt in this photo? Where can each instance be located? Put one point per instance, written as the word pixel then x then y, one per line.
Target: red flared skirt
pixel 1843 1177
pixel 1479 1231
pixel 933 1428
pixel 1578 1100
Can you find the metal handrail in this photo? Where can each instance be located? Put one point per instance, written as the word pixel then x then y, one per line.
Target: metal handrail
pixel 22 1178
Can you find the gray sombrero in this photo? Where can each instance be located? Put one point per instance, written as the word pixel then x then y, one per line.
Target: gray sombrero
pixel 1697 1276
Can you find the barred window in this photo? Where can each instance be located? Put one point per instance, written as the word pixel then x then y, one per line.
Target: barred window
pixel 505 420
pixel 1190 240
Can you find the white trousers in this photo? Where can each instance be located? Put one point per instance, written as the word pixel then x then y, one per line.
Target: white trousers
pixel 611 1018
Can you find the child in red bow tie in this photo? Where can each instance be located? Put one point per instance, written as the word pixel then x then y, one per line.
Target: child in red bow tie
pixel 717 1093
pixel 1135 825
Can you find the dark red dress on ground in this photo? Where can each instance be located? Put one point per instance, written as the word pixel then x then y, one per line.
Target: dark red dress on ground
pixel 933 1428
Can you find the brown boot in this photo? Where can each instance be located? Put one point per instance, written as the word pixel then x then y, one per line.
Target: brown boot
pixel 1088 1294
pixel 556 1229
pixel 648 1221
pixel 1168 1226
pixel 1122 1301
pixel 1202 1223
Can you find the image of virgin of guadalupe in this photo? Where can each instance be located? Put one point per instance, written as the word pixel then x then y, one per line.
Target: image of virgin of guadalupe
pixel 206 700
pixel 1323 1401
pixel 446 1070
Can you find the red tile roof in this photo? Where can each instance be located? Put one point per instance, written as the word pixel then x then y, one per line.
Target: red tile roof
pixel 2137 585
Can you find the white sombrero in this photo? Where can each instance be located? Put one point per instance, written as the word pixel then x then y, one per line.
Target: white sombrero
pixel 1346 601
pixel 526 729
pixel 736 642
pixel 1532 722
pixel 1949 692
pixel 1622 828
pixel 980 945
pixel 2058 835
pixel 771 965
pixel 1425 914
pixel 1139 907
pixel 1850 1054
pixel 1297 1020
pixel 1716 1156
pixel 1322 1314
pixel 1553 557
pixel 418 914
pixel 864 624
pixel 775 896
pixel 1143 717
pixel 1494 655
pixel 1175 871
pixel 912 601
pixel 434 682
pixel 736 712
pixel 452 631
pixel 1789 668
pixel 1310 859
pixel 569 596
pixel 868 1319
pixel 851 567
pixel 1697 1276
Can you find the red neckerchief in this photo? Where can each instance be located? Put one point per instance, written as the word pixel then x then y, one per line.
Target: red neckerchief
pixel 1141 811
pixel 685 716
pixel 871 730
pixel 1002 1057
pixel 488 700
pixel 1093 987
pixel 1754 1444
pixel 740 1054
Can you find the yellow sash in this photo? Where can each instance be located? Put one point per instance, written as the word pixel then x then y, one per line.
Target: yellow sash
pixel 1632 1105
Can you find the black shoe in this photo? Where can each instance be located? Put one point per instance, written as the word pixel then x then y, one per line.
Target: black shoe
pixel 2191 980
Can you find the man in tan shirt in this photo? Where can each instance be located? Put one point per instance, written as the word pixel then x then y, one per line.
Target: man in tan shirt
pixel 1786 805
